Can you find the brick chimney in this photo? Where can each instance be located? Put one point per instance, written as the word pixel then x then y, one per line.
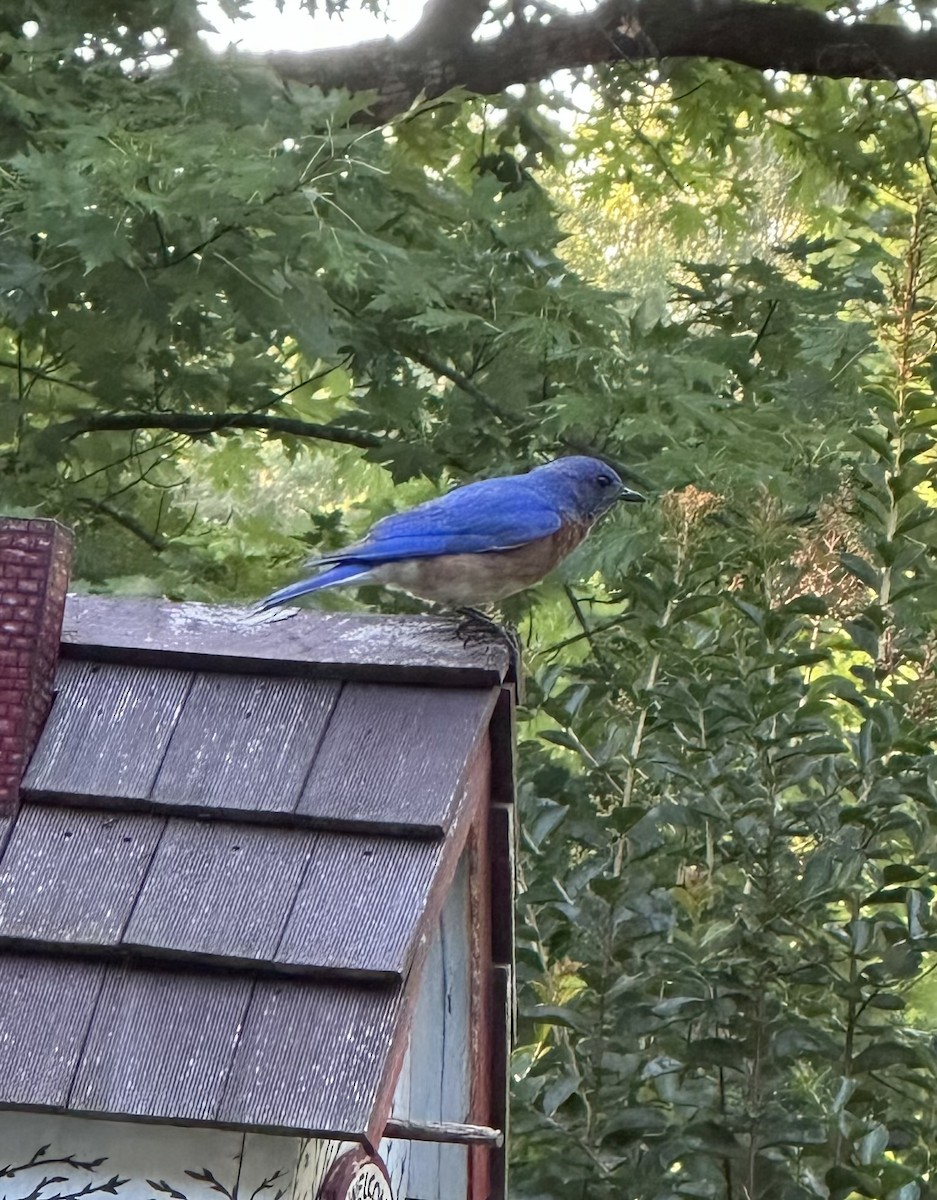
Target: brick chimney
pixel 35 557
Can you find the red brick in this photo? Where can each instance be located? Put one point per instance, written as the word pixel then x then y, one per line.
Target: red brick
pixel 34 559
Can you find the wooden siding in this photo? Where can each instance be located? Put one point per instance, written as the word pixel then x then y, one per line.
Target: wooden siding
pixel 141 1162
pixel 435 1082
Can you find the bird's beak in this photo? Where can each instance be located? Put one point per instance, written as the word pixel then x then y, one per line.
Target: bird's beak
pixel 629 497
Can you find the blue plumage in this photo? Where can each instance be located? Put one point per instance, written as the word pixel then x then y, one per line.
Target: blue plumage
pixel 480 542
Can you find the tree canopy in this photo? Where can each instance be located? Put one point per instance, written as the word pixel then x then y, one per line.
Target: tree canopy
pixel 249 305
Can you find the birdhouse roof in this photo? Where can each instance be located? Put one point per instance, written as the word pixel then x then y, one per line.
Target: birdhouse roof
pixel 232 843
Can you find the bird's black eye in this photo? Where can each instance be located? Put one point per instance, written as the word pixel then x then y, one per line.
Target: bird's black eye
pixel 603 480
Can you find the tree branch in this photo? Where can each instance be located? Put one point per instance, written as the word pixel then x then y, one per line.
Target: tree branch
pixel 432 60
pixel 195 425
pixel 155 541
pixel 38 373
pixel 462 382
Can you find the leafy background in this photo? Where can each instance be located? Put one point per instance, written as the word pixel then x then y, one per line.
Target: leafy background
pixel 237 323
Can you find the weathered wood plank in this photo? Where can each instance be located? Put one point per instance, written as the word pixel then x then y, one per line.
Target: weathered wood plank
pixel 245 742
pixel 310 1057
pixel 160 1044
pixel 71 876
pixel 393 757
pixel 480 1011
pixel 219 891
pixel 439 1072
pixel 45 1008
pixel 107 731
pixel 361 904
pixel 212 637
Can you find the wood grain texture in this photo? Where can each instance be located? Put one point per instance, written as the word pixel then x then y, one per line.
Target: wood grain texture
pixel 245 742
pixel 219 891
pixel 439 1068
pixel 341 645
pixel 361 904
pixel 70 876
pixel 160 1044
pixel 472 804
pixel 6 828
pixel 107 731
pixel 45 1009
pixel 479 1032
pixel 393 757
pixel 310 1057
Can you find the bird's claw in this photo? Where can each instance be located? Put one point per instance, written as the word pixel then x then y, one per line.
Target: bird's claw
pixel 475 626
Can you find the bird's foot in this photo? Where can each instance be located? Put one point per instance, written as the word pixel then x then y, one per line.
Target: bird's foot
pixel 476 626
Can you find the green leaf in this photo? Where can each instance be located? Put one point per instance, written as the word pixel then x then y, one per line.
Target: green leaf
pixel 862 570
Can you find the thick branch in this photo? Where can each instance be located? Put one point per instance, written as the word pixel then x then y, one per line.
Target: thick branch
pixel 760 35
pixel 195 425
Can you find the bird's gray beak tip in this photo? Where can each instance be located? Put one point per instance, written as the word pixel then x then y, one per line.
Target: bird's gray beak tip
pixel 629 497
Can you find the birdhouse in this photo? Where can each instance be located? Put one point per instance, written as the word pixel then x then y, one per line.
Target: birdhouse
pixel 255 898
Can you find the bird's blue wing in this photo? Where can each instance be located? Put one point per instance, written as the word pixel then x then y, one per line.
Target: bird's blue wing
pixel 493 514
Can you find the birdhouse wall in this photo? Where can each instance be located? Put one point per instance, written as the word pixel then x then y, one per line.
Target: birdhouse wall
pixel 44 1155
pixel 435 1082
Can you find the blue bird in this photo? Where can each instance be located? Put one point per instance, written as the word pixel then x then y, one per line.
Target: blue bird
pixel 479 543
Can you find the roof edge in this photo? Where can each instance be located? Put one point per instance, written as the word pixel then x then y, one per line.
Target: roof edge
pixel 358 646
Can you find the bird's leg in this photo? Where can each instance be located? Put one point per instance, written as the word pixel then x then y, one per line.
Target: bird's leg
pixel 477 626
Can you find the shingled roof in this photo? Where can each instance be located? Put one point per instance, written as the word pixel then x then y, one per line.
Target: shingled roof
pixel 232 841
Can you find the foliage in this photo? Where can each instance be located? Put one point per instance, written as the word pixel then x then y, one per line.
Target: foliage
pixel 236 323
pixel 722 986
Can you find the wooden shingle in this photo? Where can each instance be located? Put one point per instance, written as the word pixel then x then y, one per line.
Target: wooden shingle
pixel 417 649
pixel 160 1043
pixel 72 876
pixel 311 1057
pixel 218 890
pixel 393 756
pixel 359 906
pixel 108 730
pixel 233 849
pixel 245 742
pixel 46 1007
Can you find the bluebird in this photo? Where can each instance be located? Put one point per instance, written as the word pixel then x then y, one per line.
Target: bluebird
pixel 479 543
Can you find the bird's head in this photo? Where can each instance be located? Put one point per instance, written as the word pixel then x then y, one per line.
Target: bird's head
pixel 584 488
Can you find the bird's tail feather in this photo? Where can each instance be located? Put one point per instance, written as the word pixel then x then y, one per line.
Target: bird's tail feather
pixel 344 573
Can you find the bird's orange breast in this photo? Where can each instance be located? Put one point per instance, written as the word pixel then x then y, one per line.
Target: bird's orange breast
pixel 467 579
